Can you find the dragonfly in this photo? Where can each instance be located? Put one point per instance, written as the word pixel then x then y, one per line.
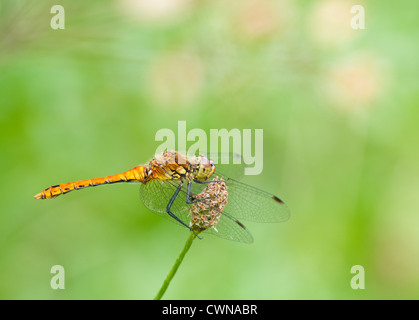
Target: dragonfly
pixel 173 184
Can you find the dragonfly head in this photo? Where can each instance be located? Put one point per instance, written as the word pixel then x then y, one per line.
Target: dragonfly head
pixel 204 168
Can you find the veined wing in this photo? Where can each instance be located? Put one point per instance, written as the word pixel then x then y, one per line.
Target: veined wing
pixel 228 164
pixel 156 195
pixel 249 203
pixel 231 229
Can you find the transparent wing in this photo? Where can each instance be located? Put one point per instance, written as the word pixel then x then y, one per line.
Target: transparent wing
pixel 249 203
pixel 244 202
pixel 230 229
pixel 156 195
pixel 228 164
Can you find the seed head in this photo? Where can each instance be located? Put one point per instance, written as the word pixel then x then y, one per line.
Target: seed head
pixel 206 213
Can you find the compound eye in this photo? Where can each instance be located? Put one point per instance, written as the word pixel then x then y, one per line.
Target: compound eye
pixel 206 164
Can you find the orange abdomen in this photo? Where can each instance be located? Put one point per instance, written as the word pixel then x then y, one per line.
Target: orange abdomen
pixel 137 174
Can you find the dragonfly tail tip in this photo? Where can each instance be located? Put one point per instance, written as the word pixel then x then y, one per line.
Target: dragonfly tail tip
pixel 38 196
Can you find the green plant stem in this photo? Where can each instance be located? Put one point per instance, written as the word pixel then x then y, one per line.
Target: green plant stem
pixel 175 266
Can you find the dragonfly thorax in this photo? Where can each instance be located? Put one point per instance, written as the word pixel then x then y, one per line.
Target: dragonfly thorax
pixel 172 165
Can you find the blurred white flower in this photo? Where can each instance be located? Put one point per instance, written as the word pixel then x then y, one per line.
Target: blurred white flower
pixel 175 79
pixel 330 22
pixel 259 18
pixel 355 83
pixel 154 10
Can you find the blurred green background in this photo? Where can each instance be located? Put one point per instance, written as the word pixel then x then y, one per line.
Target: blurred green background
pixel 339 110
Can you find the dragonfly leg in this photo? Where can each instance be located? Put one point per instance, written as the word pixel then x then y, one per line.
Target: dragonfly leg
pixel 209 181
pixel 169 205
pixel 189 195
